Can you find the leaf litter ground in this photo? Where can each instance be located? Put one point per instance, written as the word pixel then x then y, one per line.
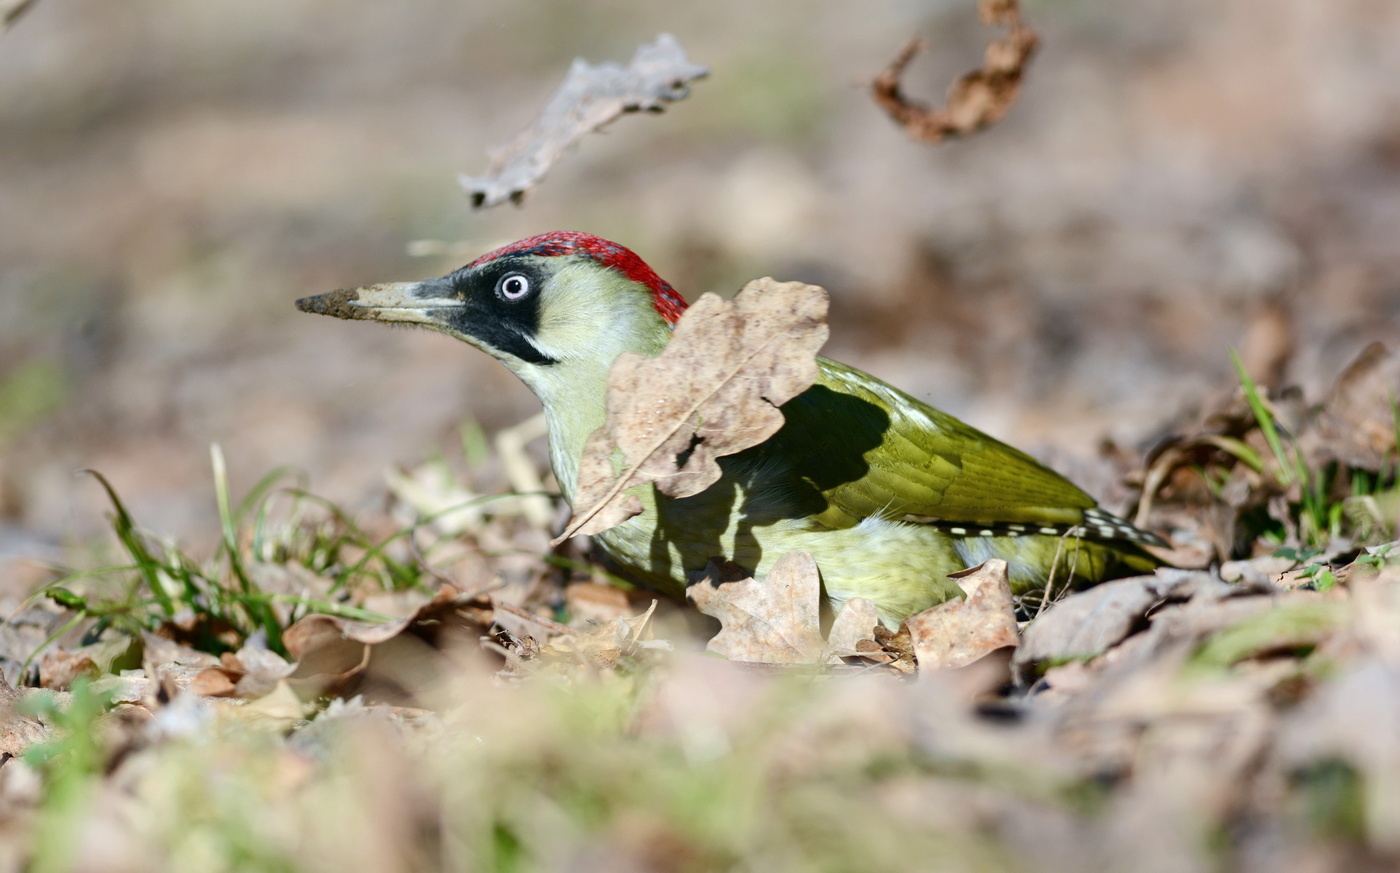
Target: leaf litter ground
pixel 522 713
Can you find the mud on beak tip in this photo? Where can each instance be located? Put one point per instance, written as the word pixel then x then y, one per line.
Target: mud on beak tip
pixel 362 303
pixel 338 304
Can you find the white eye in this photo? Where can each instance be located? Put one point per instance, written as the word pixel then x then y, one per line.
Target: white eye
pixel 513 286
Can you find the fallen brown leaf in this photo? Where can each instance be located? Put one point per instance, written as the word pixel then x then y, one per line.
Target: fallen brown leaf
pixel 1356 423
pixel 596 601
pixel 331 651
pixel 214 682
pixel 58 669
pixel 854 624
pixel 775 621
pixel 1090 622
pixel 17 731
pixel 157 651
pixel 604 645
pixel 590 98
pixel 248 673
pixel 714 391
pixel 958 632
pixel 978 99
pixel 277 710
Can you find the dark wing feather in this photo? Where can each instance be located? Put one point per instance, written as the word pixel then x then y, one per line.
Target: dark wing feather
pixel 871 449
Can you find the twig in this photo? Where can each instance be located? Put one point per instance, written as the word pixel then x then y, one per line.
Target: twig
pixel 590 98
pixel 548 624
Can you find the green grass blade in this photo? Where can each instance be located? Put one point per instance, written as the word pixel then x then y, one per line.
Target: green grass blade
pixel 125 528
pixel 1265 420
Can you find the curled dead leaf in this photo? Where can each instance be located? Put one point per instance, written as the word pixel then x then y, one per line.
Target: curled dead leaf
pixel 597 602
pixel 980 98
pixel 715 390
pixel 58 669
pixel 330 651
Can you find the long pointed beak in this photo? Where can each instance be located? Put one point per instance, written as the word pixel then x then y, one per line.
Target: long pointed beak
pixel 411 302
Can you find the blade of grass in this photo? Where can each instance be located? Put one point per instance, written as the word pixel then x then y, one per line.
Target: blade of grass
pixel 260 613
pixel 67 626
pixel 125 529
pixel 1265 420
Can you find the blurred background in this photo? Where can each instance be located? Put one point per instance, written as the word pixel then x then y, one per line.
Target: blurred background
pixel 1177 178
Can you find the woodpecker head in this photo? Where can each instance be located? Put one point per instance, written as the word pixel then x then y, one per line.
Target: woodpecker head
pixel 553 308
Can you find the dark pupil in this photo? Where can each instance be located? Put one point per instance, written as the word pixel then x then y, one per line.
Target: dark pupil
pixel 514 286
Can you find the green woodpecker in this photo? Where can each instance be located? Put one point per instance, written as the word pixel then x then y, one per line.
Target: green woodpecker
pixel 888 494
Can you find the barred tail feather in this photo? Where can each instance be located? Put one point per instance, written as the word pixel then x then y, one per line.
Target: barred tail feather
pixel 1097 525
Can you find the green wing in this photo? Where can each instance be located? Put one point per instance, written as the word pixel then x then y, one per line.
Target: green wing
pixel 871 449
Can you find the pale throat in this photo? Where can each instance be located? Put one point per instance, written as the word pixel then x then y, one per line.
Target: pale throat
pixel 573 409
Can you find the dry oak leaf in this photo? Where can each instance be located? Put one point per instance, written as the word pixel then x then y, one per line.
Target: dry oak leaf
pixel 715 390
pixel 957 632
pixel 854 625
pixel 775 621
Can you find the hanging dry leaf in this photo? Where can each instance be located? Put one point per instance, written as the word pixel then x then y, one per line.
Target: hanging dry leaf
pixel 775 621
pixel 590 98
pixel 980 98
pixel 958 632
pixel 714 391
